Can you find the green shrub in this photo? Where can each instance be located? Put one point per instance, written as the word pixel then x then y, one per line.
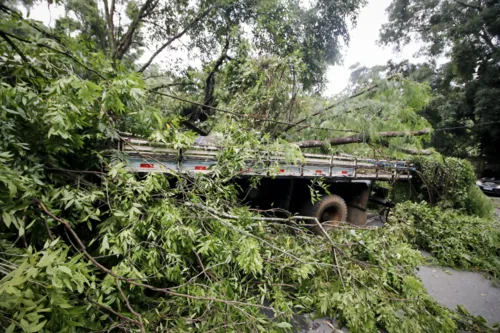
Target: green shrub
pixel 478 203
pixel 456 240
pixel 450 183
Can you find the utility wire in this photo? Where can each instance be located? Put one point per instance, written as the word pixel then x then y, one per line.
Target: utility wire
pixel 303 126
pixel 248 116
pixel 466 126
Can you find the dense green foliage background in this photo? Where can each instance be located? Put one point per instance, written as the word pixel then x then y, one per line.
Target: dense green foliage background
pixel 464 85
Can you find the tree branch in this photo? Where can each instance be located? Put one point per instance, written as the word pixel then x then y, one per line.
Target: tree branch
pixel 127 303
pixel 167 85
pixel 408 150
pixel 488 40
pixel 116 313
pixel 358 138
pixel 83 250
pixel 18 51
pixel 177 36
pixel 55 50
pixel 13 12
pixel 126 40
pixel 219 217
pixel 109 13
pixel 370 88
pixel 249 116
pixel 467 5
pixel 414 151
pixel 334 248
pixel 210 81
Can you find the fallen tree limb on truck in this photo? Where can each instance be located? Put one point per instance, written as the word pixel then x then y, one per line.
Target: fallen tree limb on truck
pixel 408 150
pixel 414 151
pixel 358 138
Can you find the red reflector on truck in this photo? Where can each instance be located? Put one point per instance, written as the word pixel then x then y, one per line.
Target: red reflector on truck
pixel 200 167
pixel 147 166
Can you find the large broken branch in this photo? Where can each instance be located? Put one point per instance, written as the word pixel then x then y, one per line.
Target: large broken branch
pixel 358 138
pixel 82 249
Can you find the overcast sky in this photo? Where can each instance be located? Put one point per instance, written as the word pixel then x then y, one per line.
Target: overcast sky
pixel 362 49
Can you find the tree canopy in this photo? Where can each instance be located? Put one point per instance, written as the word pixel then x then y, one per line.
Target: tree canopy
pixel 465 85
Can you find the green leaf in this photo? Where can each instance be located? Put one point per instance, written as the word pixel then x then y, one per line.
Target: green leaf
pixel 105 244
pixel 284 324
pixel 10 329
pixel 65 269
pixel 6 219
pixel 35 328
pixel 46 260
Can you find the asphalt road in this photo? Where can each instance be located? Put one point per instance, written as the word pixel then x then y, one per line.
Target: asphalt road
pixel 472 290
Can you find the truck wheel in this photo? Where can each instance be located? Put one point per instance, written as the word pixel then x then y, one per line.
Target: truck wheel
pixel 330 210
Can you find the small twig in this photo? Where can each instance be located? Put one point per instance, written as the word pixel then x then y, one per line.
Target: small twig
pixel 333 247
pixel 140 323
pixel 224 326
pixel 336 330
pixel 2 33
pixel 91 172
pixel 116 313
pixel 204 271
pixel 48 229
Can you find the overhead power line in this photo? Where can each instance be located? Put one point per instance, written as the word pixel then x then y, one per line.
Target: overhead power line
pixel 302 126
pixel 466 126
pixel 249 116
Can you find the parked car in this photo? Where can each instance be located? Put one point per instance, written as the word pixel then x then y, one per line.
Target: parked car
pixel 489 185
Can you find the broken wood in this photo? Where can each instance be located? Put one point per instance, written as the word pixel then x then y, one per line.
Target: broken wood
pixel 414 151
pixel 358 138
pixel 408 150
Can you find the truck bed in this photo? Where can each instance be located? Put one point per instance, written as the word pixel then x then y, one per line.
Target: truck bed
pixel 146 156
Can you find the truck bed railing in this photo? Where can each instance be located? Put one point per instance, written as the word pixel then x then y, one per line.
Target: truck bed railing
pixel 146 156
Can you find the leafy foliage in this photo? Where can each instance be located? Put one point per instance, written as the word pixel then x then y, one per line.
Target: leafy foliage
pixel 87 245
pixel 463 86
pixel 456 240
pixel 451 183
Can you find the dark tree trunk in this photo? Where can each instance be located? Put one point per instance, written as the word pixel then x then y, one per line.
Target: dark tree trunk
pixel 358 138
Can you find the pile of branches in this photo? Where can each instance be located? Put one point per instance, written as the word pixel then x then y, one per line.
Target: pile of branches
pixel 87 246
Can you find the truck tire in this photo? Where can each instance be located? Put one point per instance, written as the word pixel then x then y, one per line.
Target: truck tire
pixel 329 211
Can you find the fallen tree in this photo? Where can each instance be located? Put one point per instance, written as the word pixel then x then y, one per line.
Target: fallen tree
pixel 359 138
pixel 86 245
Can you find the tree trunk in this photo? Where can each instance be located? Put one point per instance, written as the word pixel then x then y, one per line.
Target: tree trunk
pixel 358 138
pixel 413 151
